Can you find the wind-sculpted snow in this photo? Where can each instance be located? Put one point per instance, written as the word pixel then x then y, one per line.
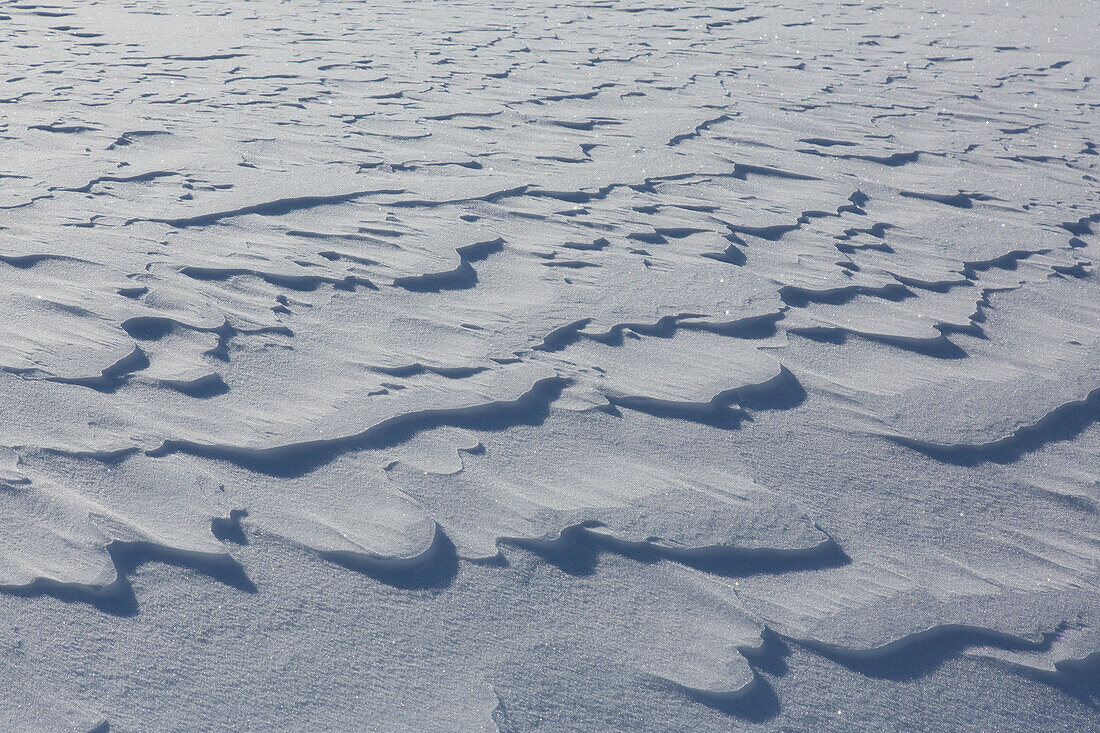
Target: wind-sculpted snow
pixel 117 597
pixel 923 652
pixel 1064 422
pixel 295 459
pixel 278 207
pixel 563 365
pixel 906 659
pixel 575 550
pixel 463 276
pixel 725 409
pixel 435 567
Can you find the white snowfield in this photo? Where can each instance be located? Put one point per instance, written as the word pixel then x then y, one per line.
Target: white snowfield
pixel 606 365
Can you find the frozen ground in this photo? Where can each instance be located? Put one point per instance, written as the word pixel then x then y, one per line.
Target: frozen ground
pixel 442 366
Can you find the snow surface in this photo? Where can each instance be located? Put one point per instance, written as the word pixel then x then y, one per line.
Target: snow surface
pixel 452 366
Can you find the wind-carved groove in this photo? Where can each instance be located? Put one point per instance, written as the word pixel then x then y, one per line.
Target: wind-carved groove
pixel 749 328
pixel 699 129
pixel 1079 678
pixel 933 286
pixel 973 325
pixel 906 659
pixel 877 230
pixel 24 262
pixel 138 178
pixel 1082 226
pixel 134 292
pixel 1063 423
pixel 117 598
pixel 938 347
pixel 664 327
pixel 774 232
pixel 63 129
pixel 301 283
pixel 204 387
pixel 959 200
pixel 462 277
pixel 106 457
pixel 825 142
pixel 103 727
pixel 731 255
pixel 892 160
pixel 756 701
pixel 434 568
pixel 1007 261
pixel 127 138
pixel 299 459
pixel 562 336
pixel 278 207
pixel 740 171
pixel 333 256
pixel 577 548
pixel 416 369
pixel 570 264
pixel 112 377
pixel 1078 269
pixel 735 256
pixel 155 328
pixel 920 654
pixel 856 203
pixel 229 529
pixel 799 297
pixel 490 198
pixel 594 246
pixel 727 409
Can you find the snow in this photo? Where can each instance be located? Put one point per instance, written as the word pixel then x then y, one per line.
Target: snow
pixel 442 366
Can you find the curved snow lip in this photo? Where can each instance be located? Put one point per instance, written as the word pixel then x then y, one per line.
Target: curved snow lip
pixel 575 551
pixel 754 702
pixel 417 368
pixel 906 659
pixel 461 277
pixel 727 409
pixel 749 328
pixel 960 200
pixel 155 328
pixel 300 283
pixel 117 598
pixel 799 297
pixel 1064 422
pixel 577 548
pixel 1079 678
pixel 937 347
pixel 229 529
pixel 922 653
pixel 204 387
pixel 1008 261
pixel 299 459
pixel 113 376
pixel 434 568
pixel 137 178
pixel 277 207
pixel 27 261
